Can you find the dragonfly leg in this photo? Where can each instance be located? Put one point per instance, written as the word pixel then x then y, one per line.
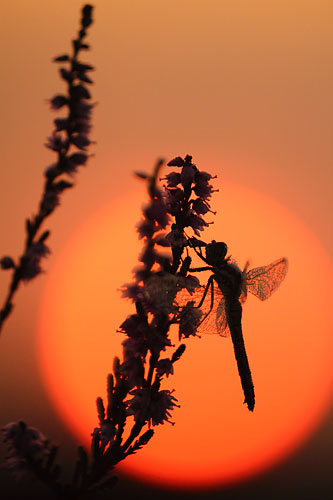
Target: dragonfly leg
pixel 199 269
pixel 200 254
pixel 210 283
pixel 194 246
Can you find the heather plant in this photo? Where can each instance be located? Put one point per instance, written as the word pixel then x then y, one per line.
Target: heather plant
pixel 135 401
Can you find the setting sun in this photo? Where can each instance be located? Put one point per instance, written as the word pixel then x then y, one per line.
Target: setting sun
pixel 215 439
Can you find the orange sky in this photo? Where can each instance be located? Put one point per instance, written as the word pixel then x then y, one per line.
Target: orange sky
pixel 244 86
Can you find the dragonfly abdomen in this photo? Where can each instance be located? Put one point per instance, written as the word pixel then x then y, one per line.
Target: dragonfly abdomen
pixel 234 319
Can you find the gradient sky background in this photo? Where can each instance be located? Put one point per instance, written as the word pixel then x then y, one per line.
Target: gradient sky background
pixel 244 87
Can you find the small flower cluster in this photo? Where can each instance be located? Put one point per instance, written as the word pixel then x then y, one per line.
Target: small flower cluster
pixel 30 263
pixel 187 198
pixel 156 404
pixel 70 131
pixel 25 445
pixel 181 186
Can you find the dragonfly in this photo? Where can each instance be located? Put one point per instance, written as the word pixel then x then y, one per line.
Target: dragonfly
pixel 228 287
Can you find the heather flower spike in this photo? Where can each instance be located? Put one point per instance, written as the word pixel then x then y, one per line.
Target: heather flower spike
pixel 69 141
pixel 134 389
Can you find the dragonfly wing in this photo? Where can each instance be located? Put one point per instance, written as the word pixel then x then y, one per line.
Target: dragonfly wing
pixel 183 297
pixel 221 319
pixel 215 321
pixel 262 281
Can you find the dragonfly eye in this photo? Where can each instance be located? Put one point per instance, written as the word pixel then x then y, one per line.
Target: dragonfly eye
pixel 216 252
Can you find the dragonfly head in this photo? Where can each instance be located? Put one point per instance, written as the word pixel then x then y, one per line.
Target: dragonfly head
pixel 215 253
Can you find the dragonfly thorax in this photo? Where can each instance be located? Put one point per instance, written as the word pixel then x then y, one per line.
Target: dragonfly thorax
pixel 229 280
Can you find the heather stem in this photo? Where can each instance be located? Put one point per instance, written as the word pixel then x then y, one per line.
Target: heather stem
pixel 50 187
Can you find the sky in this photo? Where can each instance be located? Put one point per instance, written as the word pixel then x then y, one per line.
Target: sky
pixel 244 87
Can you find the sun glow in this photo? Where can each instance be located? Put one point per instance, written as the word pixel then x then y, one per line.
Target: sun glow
pixel 215 440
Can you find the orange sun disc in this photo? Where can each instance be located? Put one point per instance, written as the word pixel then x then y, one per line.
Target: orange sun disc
pixel 215 439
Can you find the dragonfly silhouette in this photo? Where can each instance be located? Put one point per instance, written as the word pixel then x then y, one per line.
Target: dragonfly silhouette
pixel 223 316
